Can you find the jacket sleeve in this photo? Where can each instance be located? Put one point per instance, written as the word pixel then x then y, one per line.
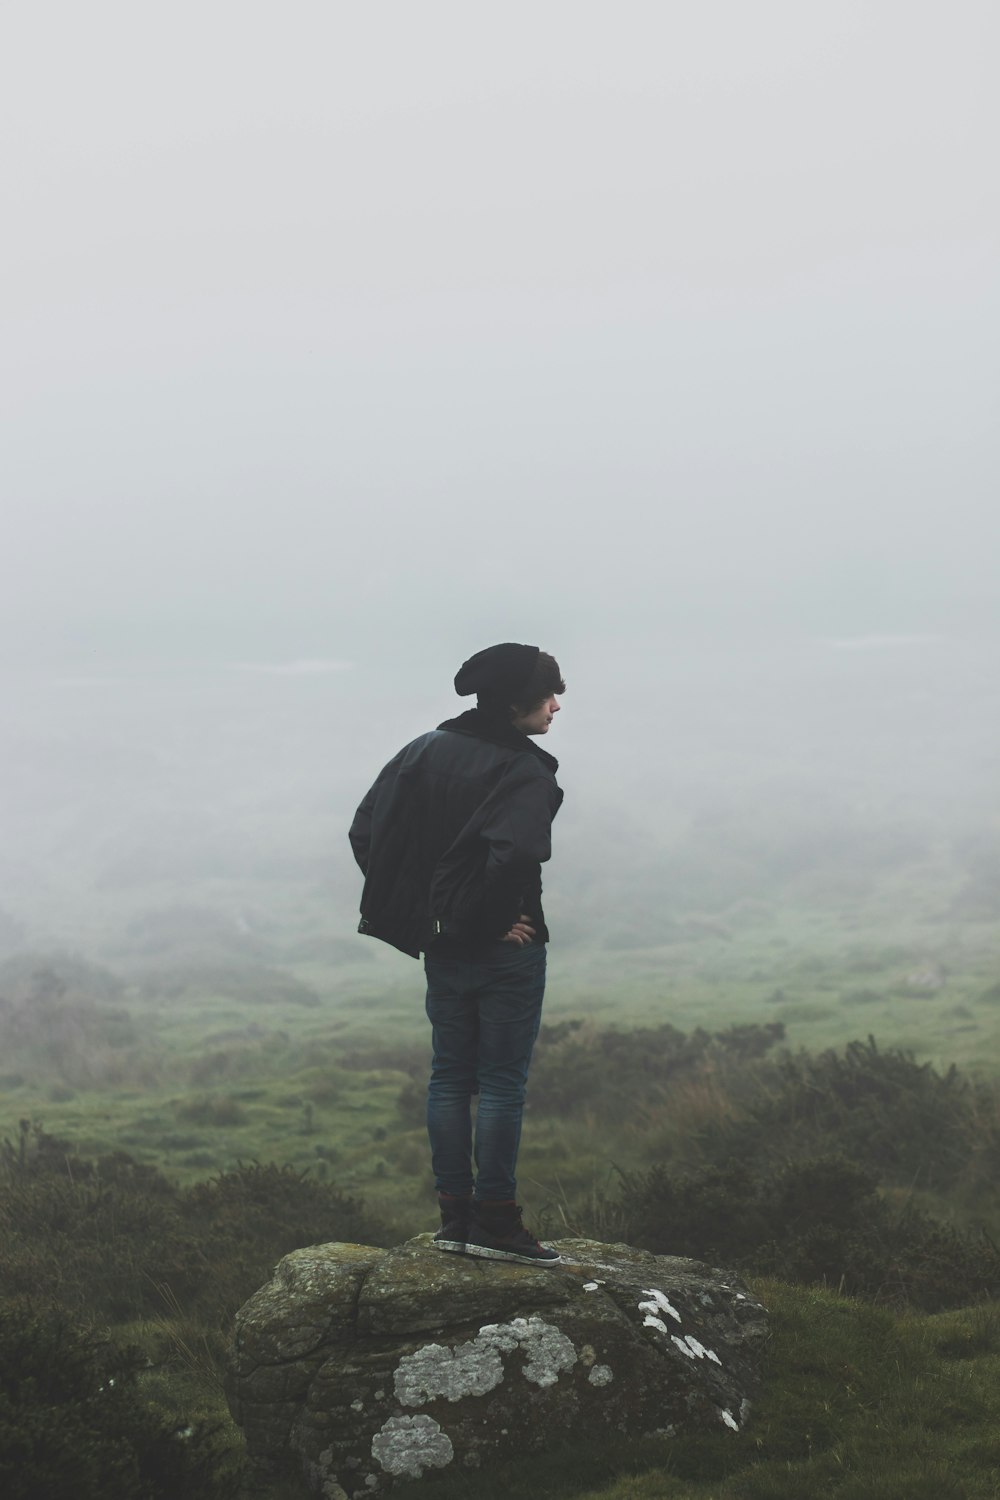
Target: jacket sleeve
pixel 361 829
pixel 518 831
pixel 360 833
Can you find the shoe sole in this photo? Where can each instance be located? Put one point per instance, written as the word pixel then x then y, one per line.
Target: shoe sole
pixel 457 1245
pixel 485 1253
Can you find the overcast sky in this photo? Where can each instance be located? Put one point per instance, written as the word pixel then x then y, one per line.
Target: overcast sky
pixel 352 330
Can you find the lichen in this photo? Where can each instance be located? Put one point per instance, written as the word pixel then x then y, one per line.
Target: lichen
pixel 475 1367
pixel 549 1352
pixel 701 1351
pixel 658 1304
pixel 601 1375
pixel 470 1370
pixel 409 1445
pixel 693 1349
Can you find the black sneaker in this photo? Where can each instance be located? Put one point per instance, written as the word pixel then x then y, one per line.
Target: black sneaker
pixel 455 1216
pixel 496 1232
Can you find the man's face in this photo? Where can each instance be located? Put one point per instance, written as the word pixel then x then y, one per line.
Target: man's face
pixel 536 720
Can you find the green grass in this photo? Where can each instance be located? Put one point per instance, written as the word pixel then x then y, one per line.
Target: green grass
pixel 859 1402
pixel 203 1081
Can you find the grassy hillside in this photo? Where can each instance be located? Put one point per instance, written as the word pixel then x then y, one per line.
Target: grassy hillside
pixel 704 1084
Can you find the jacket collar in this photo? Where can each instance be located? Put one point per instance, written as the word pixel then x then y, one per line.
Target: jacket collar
pixel 479 725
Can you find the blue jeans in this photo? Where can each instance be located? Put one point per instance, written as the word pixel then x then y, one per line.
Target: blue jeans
pixel 485 1010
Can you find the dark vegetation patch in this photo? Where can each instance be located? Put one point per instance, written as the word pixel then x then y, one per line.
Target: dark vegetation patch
pixel 800 1166
pixel 210 1111
pixel 236 1060
pixel 912 1125
pixel 819 1221
pixel 76 1425
pixel 611 1074
pixel 603 1075
pixel 115 1240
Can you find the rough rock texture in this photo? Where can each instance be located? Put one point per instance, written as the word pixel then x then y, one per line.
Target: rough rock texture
pixel 359 1366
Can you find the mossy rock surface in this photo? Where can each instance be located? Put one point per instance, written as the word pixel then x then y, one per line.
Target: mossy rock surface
pixel 359 1367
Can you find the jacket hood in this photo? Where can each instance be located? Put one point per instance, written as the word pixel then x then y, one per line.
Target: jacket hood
pixel 480 725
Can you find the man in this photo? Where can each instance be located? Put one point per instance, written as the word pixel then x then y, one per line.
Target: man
pixel 451 840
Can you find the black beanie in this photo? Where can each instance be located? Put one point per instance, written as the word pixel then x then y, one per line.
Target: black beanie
pixel 499 672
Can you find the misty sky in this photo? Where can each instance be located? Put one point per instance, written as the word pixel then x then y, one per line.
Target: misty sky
pixel 360 331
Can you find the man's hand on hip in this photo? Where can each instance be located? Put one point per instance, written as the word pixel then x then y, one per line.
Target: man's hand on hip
pixel 521 933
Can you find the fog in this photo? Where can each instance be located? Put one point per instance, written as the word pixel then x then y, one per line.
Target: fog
pixel 342 341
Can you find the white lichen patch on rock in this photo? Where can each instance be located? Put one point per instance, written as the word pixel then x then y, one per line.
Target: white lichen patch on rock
pixel 601 1375
pixel 729 1419
pixel 409 1445
pixel 473 1368
pixel 592 1286
pixel 548 1351
pixel 470 1370
pixel 650 1322
pixel 694 1350
pixel 658 1303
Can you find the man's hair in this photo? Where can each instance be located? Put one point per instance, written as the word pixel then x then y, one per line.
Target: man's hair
pixel 545 680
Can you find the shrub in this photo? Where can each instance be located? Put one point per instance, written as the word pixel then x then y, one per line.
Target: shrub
pixel 882 1109
pixel 116 1240
pixel 815 1222
pixel 611 1073
pixel 74 1424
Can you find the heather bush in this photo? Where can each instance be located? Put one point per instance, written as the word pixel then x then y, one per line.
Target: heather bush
pixel 819 1221
pixel 115 1239
pixel 75 1425
pixel 610 1074
pixel 902 1118
pixel 909 1123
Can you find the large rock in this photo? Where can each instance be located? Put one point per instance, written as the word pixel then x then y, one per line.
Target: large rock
pixel 359 1366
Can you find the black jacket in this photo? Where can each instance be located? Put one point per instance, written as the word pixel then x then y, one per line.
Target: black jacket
pixel 452 836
